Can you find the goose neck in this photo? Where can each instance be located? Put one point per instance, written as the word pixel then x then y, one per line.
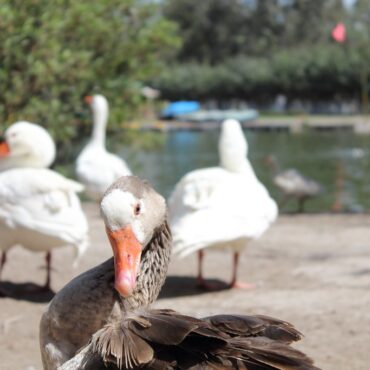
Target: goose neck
pixel 153 269
pixel 234 163
pixel 99 127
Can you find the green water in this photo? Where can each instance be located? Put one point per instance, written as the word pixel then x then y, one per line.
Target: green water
pixel 316 154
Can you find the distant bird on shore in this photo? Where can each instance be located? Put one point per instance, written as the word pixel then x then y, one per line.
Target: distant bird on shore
pixel 40 209
pixel 26 144
pixel 150 93
pixel 102 319
pixel 293 184
pixel 221 207
pixel 96 168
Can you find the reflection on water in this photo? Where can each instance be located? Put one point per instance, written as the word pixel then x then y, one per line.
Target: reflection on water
pixel 315 154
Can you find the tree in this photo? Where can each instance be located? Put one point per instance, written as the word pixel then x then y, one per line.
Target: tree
pixel 359 40
pixel 211 29
pixel 255 49
pixel 53 53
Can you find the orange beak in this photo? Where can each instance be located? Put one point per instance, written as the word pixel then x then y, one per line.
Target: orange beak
pixel 127 254
pixel 4 149
pixel 88 99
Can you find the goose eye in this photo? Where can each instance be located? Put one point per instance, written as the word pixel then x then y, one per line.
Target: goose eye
pixel 137 209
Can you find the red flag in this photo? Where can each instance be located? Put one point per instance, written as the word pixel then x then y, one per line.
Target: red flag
pixel 339 33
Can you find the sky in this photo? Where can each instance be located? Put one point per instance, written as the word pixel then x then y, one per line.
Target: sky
pixel 348 3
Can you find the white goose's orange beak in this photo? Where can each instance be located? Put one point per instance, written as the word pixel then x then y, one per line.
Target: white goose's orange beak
pixel 4 149
pixel 127 254
pixel 88 99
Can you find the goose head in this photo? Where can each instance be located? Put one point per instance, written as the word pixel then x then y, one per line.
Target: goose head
pixel 232 146
pixel 98 103
pixel 26 144
pixel 132 211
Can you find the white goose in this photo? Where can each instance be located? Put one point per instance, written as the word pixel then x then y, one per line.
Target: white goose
pixel 221 207
pixel 40 209
pixel 26 144
pixel 95 167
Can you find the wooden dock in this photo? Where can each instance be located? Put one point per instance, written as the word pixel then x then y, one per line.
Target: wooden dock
pixel 295 124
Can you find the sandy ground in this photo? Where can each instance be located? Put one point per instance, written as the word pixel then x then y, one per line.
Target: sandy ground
pixel 312 270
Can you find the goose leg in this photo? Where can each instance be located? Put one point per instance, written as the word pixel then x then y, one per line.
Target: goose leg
pixel 48 271
pixel 36 289
pixel 31 288
pixel 200 263
pixel 301 202
pixel 283 201
pixel 2 262
pixel 235 283
pixel 201 282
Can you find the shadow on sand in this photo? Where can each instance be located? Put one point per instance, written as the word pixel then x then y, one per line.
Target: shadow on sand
pixel 25 292
pixel 175 286
pixel 180 286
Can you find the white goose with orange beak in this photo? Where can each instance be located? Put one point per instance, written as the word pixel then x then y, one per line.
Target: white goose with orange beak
pixel 96 168
pixel 40 209
pixel 222 207
pixel 26 144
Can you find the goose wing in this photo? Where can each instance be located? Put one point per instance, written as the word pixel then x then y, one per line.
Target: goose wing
pixel 165 339
pixel 45 202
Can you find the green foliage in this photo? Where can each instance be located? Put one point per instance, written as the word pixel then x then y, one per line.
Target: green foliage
pixel 211 29
pixel 313 73
pixel 255 49
pixel 215 30
pixel 53 53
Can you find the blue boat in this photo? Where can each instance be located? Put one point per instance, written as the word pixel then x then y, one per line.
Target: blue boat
pixel 178 108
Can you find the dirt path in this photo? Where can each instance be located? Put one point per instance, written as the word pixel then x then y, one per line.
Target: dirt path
pixel 313 271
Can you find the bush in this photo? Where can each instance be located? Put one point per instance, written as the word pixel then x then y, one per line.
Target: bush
pixel 315 72
pixel 55 52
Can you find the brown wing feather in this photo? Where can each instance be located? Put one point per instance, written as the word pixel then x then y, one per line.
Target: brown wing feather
pixel 164 328
pixel 116 343
pixel 165 339
pixel 267 353
pixel 239 325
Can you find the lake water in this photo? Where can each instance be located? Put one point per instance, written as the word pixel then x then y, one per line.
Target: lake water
pixel 319 155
